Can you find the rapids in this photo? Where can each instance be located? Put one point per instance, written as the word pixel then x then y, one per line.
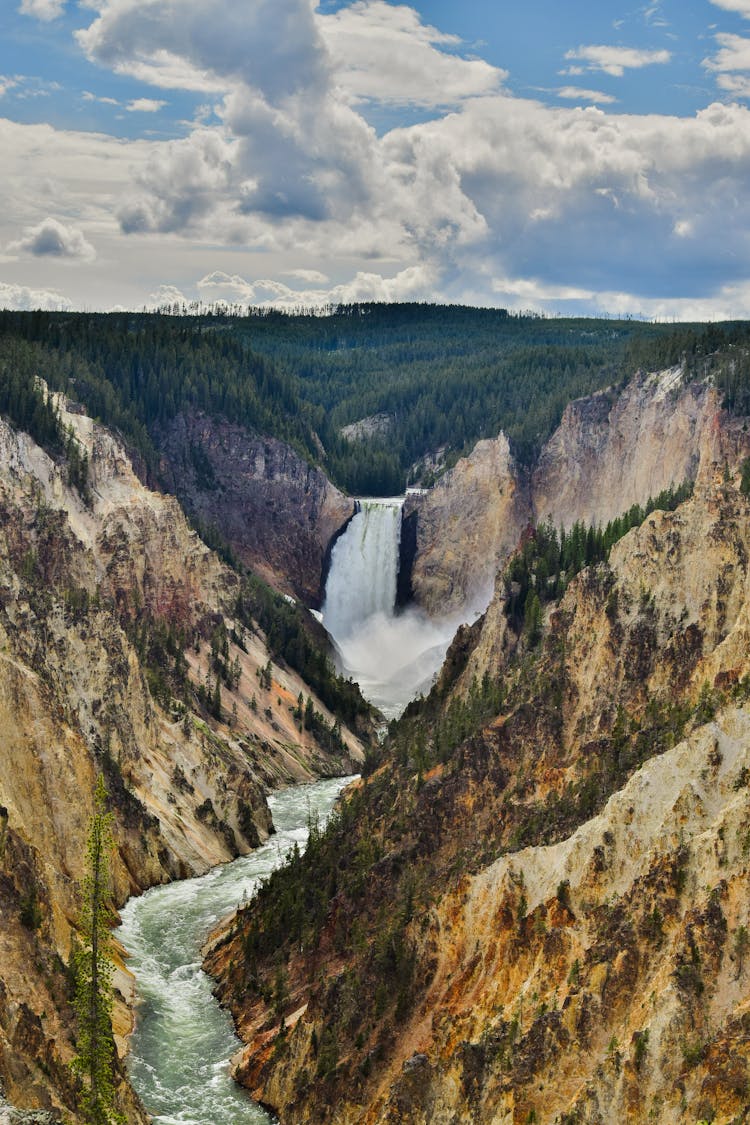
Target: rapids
pixel 179 1052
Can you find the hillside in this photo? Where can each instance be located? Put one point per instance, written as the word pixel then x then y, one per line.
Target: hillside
pixel 560 822
pixel 128 648
pixel 536 908
pixel 439 378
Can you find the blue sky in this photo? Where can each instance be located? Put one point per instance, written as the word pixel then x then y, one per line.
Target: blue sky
pixel 569 157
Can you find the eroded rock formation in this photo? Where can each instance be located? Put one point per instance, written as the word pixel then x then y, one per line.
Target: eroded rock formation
pixel 610 451
pixel 555 921
pixel 87 587
pixel 277 512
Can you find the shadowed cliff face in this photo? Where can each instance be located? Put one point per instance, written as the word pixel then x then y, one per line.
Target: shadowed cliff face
pixel 276 511
pixel 89 592
pixel 610 451
pixel 549 921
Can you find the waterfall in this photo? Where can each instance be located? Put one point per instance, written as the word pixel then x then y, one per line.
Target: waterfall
pixel 392 658
pixel 364 568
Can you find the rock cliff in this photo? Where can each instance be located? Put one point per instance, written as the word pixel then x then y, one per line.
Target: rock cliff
pixel 108 601
pixel 467 525
pixel 277 512
pixel 612 450
pixel 543 917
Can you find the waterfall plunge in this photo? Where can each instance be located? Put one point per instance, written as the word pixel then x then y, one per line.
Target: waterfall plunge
pixel 392 657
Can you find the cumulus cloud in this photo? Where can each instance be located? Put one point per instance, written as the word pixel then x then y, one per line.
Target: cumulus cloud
pixel 741 6
pixel 22 298
pixel 576 94
pixel 412 283
pixel 209 44
pixel 382 52
pixel 145 105
pixel 52 239
pixel 167 295
pixel 503 195
pixel 734 54
pixel 45 10
pixel 736 84
pixel 616 60
pixel 297 148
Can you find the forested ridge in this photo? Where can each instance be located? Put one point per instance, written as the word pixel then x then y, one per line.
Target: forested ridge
pixel 443 376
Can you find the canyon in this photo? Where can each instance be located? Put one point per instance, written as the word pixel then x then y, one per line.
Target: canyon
pixel 532 906
pixel 545 920
pixel 89 585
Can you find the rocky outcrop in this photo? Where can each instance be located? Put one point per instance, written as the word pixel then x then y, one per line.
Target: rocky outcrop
pixel 610 451
pixel 106 602
pixel 277 512
pixel 613 450
pixel 555 922
pixel 466 526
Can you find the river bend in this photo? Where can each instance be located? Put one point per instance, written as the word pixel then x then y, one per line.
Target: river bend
pixel 183 1040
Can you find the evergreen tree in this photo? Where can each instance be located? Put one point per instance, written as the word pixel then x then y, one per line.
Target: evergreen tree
pixel 93 972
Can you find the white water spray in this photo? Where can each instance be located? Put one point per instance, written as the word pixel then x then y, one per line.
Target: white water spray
pixel 392 657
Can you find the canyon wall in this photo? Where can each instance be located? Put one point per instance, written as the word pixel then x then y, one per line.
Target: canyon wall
pixel 610 451
pixel 105 598
pixel 277 512
pixel 555 923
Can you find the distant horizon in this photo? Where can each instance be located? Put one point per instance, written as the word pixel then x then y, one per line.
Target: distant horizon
pixel 330 310
pixel 568 160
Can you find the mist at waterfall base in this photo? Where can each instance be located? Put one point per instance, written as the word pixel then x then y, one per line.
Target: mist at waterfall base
pixel 394 657
pixel 183 1039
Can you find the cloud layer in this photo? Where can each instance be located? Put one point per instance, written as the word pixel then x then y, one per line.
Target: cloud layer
pixel 488 196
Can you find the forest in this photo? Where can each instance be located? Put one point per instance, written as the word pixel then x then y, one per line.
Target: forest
pixel 441 377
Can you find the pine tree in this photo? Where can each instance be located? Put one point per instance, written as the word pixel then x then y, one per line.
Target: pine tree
pixel 93 972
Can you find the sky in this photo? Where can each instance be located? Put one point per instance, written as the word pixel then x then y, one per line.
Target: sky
pixel 574 159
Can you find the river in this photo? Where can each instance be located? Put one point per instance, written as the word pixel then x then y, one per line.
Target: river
pixel 182 1041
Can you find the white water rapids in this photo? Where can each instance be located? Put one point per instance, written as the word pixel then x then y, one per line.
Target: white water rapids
pixel 183 1040
pixel 392 656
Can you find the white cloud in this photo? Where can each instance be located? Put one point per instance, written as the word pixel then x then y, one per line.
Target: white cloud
pixel 45 10
pixel 209 44
pixel 737 84
pixel 89 97
pixel 503 196
pixel 412 283
pixel 741 6
pixel 683 228
pixel 167 295
pixel 6 83
pixel 575 93
pixel 734 54
pixel 616 60
pixel 23 298
pixel 311 276
pixel 383 52
pixel 52 239
pixel 145 105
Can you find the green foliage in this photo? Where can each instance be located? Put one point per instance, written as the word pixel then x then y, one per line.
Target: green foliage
pixel 447 376
pixel 640 1047
pixel 289 638
pixel 25 403
pixel 546 562
pixel 745 477
pixel 30 911
pixel 93 967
